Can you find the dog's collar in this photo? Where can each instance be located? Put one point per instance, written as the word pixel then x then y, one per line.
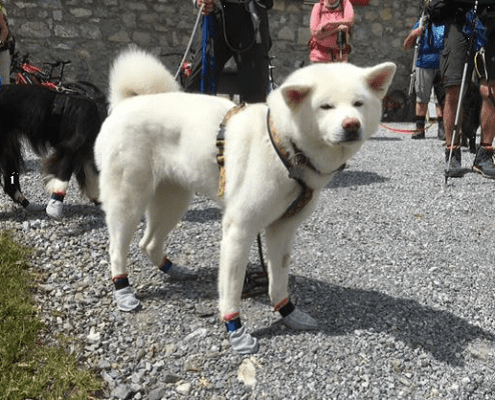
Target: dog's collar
pixel 300 160
pixel 296 171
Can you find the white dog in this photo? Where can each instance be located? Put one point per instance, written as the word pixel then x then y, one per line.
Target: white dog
pixel 156 150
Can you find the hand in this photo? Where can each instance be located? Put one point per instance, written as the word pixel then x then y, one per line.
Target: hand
pixel 411 38
pixel 343 28
pixel 209 6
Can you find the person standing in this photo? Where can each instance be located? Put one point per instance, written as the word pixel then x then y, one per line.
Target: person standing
pixel 330 26
pixel 427 73
pixel 5 42
pixel 239 30
pixel 454 14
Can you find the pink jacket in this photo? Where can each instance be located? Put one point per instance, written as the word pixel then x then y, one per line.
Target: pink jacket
pixel 321 41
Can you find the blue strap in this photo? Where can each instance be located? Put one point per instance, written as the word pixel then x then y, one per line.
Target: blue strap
pixel 233 325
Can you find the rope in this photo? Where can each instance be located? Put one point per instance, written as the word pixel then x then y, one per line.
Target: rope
pixel 405 131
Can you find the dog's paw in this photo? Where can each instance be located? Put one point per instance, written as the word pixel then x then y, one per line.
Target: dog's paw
pixel 242 342
pixel 125 299
pixel 299 320
pixel 55 209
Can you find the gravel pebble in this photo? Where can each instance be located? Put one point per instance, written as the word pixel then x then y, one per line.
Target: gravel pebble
pixel 396 267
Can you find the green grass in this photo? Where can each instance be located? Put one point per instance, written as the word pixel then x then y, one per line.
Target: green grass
pixel 28 369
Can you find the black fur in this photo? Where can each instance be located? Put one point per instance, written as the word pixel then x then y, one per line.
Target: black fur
pixel 63 126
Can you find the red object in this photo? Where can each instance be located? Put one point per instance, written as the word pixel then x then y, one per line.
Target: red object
pixel 360 2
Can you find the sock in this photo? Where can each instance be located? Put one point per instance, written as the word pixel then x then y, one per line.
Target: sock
pixel 420 122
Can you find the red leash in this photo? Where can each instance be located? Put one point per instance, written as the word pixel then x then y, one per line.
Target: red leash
pixel 405 131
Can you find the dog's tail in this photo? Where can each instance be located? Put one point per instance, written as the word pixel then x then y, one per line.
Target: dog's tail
pixel 136 72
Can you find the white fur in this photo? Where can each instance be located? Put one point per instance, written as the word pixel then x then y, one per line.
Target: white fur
pixel 155 151
pixel 55 185
pixel 136 72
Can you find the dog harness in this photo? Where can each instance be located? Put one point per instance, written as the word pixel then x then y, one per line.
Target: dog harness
pixel 295 169
pixel 221 147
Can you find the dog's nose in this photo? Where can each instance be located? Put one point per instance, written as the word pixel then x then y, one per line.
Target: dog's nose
pixel 351 129
pixel 351 124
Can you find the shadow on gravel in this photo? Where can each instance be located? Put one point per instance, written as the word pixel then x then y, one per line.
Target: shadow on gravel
pixel 209 214
pixel 355 178
pixel 386 139
pixel 342 311
pixel 96 215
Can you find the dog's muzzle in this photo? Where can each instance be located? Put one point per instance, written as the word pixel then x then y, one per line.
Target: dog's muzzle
pixel 351 130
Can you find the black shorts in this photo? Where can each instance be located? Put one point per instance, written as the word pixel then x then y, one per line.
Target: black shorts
pixel 454 56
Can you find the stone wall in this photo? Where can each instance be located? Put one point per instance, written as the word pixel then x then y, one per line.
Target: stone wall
pixel 91 32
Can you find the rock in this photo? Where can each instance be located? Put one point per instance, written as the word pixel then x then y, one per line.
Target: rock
pixel 122 392
pixel 184 388
pixel 247 372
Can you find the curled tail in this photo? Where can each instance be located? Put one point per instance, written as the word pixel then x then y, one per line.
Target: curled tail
pixel 136 72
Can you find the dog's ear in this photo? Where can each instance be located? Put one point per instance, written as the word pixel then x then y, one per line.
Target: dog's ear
pixel 294 95
pixel 380 77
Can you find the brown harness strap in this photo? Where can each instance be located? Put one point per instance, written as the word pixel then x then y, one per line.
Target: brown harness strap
pixel 221 147
pixel 295 170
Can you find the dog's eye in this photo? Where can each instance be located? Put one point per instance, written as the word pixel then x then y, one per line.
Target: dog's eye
pixel 326 107
pixel 358 104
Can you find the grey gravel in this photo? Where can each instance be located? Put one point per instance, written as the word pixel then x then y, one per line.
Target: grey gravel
pixel 396 268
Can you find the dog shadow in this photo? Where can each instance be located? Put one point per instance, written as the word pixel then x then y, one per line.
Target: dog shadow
pixel 355 178
pixel 202 216
pixel 343 311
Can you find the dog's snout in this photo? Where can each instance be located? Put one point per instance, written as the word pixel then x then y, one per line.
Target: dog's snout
pixel 351 130
pixel 351 124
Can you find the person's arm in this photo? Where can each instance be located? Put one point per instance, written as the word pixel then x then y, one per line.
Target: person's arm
pixel 209 5
pixel 4 29
pixel 314 24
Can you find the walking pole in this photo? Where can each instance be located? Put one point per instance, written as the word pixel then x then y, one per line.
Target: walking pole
pixel 463 84
pixel 416 50
pixel 193 34
pixel 207 60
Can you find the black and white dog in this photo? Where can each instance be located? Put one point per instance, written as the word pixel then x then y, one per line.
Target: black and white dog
pixel 62 127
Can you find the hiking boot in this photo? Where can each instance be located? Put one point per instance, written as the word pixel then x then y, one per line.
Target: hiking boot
pixel 441 130
pixel 483 162
pixel 454 170
pixel 420 128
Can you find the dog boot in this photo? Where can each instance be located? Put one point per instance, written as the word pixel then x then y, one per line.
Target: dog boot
pixel 483 162
pixel 55 208
pixel 176 272
pixel 295 318
pixel 125 299
pixel 240 340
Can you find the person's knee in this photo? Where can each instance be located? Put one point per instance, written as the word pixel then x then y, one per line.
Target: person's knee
pixel 487 90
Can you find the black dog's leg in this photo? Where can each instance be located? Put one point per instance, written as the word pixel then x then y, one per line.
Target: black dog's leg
pixel 11 164
pixel 57 170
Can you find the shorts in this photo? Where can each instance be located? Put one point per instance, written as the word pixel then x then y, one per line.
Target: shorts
pixel 426 78
pixel 489 64
pixel 454 56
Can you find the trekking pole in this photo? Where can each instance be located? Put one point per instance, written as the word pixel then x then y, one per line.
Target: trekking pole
pixel 341 43
pixel 193 34
pixel 461 91
pixel 208 61
pixel 416 51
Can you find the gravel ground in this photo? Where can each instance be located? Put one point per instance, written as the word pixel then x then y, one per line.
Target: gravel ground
pixel 396 267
